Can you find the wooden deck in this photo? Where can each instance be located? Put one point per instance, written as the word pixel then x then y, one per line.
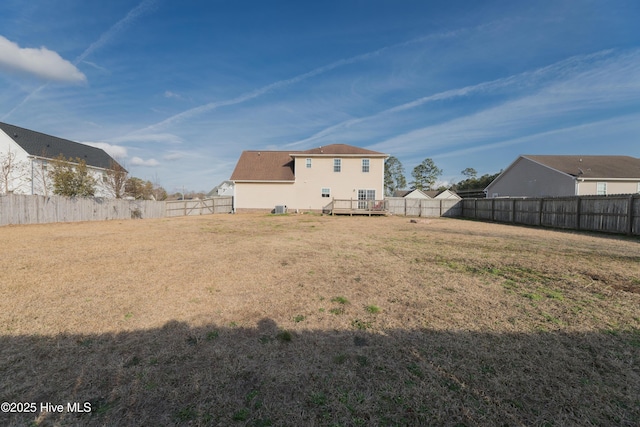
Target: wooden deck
pixel 356 207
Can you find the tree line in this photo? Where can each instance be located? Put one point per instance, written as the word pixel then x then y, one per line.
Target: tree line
pixel 425 176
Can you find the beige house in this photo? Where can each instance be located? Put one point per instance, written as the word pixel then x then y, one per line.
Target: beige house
pixel 307 180
pixel 551 176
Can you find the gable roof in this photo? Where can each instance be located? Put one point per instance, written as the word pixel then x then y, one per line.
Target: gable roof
pixel 592 167
pixel 264 166
pixel 47 146
pixel 340 149
pixel 279 165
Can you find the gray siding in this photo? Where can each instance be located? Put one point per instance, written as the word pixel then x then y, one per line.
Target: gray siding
pixel 525 178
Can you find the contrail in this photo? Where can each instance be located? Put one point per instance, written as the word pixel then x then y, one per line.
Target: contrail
pixel 103 40
pixel 283 83
pixel 464 91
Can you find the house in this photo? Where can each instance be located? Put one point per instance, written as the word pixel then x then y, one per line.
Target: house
pixel 426 194
pixel 307 180
pixel 411 194
pixel 552 176
pixel 225 188
pixel 24 155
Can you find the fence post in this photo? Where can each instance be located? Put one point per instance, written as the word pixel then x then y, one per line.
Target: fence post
pixel 493 209
pixel 578 208
pixel 630 216
pixel 540 206
pixel 513 211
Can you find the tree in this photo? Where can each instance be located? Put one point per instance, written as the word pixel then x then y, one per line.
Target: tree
pixel 138 188
pixel 115 179
pixel 71 178
pixel 425 175
pixel 469 173
pixel 393 176
pixel 12 172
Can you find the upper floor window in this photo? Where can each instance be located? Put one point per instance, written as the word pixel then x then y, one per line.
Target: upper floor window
pixel 337 165
pixel 365 165
pixel 308 163
pixel 601 188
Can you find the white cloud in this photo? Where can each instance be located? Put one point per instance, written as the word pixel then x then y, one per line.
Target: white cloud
pixel 42 63
pixel 137 161
pixel 173 156
pixel 115 151
pixel 169 94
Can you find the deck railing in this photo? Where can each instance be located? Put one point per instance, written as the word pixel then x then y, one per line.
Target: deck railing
pixel 357 207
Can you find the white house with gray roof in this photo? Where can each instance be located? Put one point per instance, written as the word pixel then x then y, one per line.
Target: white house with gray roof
pixel 29 153
pixel 554 176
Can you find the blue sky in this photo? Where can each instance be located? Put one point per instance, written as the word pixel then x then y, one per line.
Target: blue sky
pixel 177 90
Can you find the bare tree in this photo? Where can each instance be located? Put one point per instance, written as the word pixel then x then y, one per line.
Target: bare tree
pixel 115 179
pixel 13 172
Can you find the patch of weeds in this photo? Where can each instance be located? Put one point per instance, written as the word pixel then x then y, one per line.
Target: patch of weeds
pixel 321 310
pixel 510 285
pixel 550 318
pixel 340 359
pixel 532 296
pixel 340 300
pixel 553 294
pixel 318 398
pixel 87 342
pixel 599 296
pixel 186 414
pixel 337 311
pixel 360 324
pixel 134 361
pixel 284 263
pixel 487 369
pixel 192 340
pixel 128 315
pixel 212 335
pixel 251 395
pixel 415 370
pixel 373 309
pixel 101 406
pixel 241 415
pixel 262 423
pixel 357 279
pixel 284 336
pixel 299 318
pixel 362 361
pixel 153 361
pixel 233 324
pixel 264 339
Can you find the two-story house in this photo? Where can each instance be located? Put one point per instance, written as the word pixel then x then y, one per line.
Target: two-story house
pixel 307 180
pixel 25 155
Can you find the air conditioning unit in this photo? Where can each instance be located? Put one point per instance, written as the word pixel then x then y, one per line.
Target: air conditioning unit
pixel 281 209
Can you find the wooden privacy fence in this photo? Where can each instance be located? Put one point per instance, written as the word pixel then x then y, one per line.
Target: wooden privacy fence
pixel 612 214
pixel 424 207
pixel 215 205
pixel 27 209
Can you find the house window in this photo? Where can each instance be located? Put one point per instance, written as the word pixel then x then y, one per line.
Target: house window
pixel 601 188
pixel 308 163
pixel 337 165
pixel 365 165
pixel 326 192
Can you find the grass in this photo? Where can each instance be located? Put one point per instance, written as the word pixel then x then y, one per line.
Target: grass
pixel 159 322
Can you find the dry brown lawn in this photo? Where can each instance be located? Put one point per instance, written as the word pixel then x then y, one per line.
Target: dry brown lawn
pixel 297 320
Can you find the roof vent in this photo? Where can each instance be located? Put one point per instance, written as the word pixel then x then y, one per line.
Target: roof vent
pixel 15 135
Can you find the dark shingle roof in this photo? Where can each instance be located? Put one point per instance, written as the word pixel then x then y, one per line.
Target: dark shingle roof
pixel 341 149
pixel 47 146
pixel 592 166
pixel 264 166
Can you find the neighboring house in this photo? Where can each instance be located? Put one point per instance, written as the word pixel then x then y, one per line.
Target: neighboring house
pixel 225 188
pixel 307 180
pixel 426 194
pixel 551 176
pixel 411 194
pixel 30 151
